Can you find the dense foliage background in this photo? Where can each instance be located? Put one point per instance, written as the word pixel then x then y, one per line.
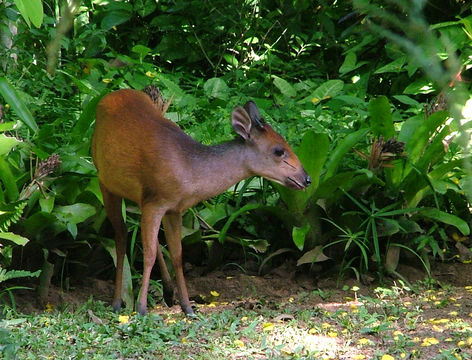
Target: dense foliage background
pixel 373 95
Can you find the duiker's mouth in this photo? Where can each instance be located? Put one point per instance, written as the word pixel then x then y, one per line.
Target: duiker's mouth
pixel 294 184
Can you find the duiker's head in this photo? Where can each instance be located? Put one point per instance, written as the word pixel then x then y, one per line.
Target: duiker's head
pixel 274 159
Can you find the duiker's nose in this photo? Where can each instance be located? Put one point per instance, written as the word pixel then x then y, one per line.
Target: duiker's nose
pixel 307 181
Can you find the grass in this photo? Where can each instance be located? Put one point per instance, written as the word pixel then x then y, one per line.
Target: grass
pixel 390 323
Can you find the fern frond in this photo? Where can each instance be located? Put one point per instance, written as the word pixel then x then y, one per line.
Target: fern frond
pixel 10 214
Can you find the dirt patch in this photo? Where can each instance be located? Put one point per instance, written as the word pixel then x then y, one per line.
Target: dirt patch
pixel 235 286
pixel 443 313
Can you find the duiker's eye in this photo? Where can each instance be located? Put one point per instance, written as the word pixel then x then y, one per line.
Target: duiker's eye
pixel 279 151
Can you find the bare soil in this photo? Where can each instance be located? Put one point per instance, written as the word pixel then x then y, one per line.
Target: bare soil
pixel 237 289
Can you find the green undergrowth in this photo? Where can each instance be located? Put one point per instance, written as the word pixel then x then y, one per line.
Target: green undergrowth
pixel 388 323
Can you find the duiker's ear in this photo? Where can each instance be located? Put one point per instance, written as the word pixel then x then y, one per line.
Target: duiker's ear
pixel 254 115
pixel 241 122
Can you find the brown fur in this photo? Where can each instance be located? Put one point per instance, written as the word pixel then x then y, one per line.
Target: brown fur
pixel 142 156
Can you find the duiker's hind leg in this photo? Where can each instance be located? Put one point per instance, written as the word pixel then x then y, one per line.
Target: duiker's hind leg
pixel 113 208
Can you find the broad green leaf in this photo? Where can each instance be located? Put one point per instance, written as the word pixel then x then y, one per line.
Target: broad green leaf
pixel 83 84
pixel 9 94
pixel 141 50
pixel 47 203
pixel 422 135
pixel 9 181
pixel 441 216
pixel 10 125
pixel 284 86
pixel 350 63
pixel 145 7
pixel 344 146
pixel 127 282
pixel 258 245
pixel 31 10
pixel 407 100
pixel 7 143
pixel 86 118
pixel 231 59
pixel 313 152
pixel 75 213
pixel 421 86
pixel 381 121
pixel 216 88
pixel 17 239
pixel 20 4
pixel 211 214
pixel 394 66
pixel 325 91
pixel 119 13
pixel 35 11
pixel 298 235
pixel 224 230
pixel 313 256
pixel 173 88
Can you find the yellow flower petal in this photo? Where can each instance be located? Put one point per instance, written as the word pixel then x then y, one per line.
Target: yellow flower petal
pixel 363 341
pixel 358 357
pixel 268 326
pixel 239 343
pixel 387 357
pixel 429 341
pixel 332 334
pixel 123 319
pixel 215 293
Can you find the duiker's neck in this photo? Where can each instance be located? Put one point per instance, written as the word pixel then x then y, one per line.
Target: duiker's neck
pixel 216 168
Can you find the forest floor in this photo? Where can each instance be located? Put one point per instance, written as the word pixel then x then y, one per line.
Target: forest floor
pixel 280 315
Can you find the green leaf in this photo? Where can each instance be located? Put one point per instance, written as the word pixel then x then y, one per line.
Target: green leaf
pixel 216 88
pixel 7 143
pixel 421 136
pixel 31 10
pixel 441 216
pixel 284 86
pixel 325 91
pixel 16 274
pixel 395 66
pixel 86 118
pixel 17 239
pixel 10 125
pixel 420 86
pixel 381 118
pixel 313 152
pixel 145 7
pixel 75 213
pixel 9 181
pixel 350 63
pixel 127 282
pixel 231 59
pixel 344 146
pixel 313 256
pixel 11 97
pixel 141 50
pixel 298 235
pixel 47 204
pixel 173 88
pixel 116 13
pixel 407 100
pixel 211 214
pixel 245 208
